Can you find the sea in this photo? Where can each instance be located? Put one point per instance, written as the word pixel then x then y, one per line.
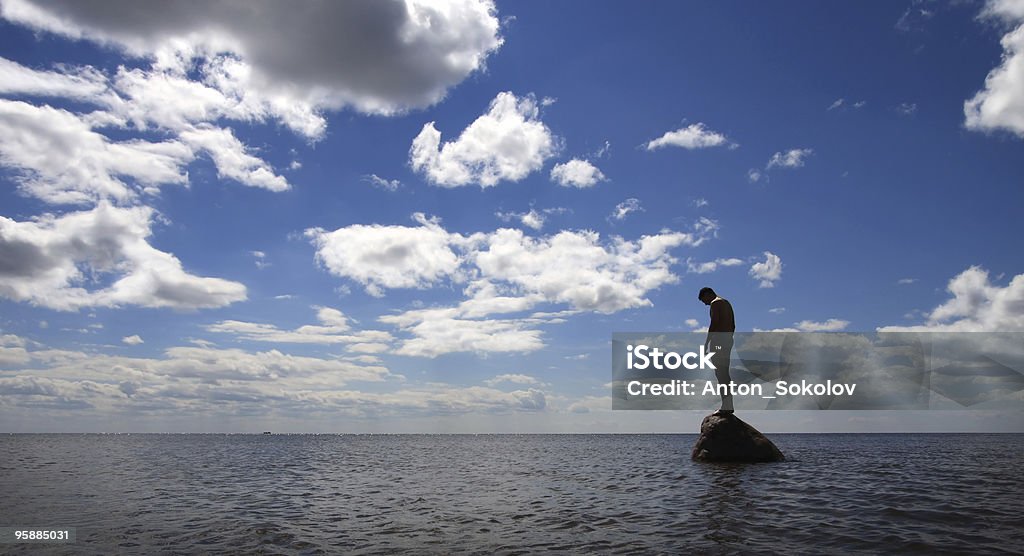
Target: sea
pixel 512 494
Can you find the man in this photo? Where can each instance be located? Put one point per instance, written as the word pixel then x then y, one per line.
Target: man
pixel 719 340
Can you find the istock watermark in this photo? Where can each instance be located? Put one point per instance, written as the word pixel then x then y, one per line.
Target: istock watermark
pixel 646 357
pixel 799 370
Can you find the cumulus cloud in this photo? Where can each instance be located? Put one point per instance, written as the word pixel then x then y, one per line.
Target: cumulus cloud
pixel 380 257
pixel 506 144
pixel 12 350
pixel 793 158
pixel 694 136
pixel 439 331
pixel 769 271
pixel 625 208
pixel 574 268
pixel 512 378
pixel 378 56
pixel 59 159
pixel 180 91
pixel 210 65
pixel 231 382
pixel 334 328
pixel 710 266
pixel 383 183
pixel 830 325
pixel 231 158
pixel 52 261
pixel 533 219
pixel 63 158
pixel 508 272
pixel 976 305
pixel 576 173
pixel 1000 104
pixel 82 83
pixel 133 340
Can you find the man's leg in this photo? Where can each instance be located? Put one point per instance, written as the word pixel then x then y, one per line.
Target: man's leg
pixel 721 361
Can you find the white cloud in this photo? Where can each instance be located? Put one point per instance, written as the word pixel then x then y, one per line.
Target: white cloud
pixel 132 340
pixel 59 159
pixel 625 208
pixel 332 317
pixel 793 158
pixel 576 173
pixel 754 175
pixel 830 325
pixel 841 104
pixel 506 144
pixel 381 257
pixel 260 259
pixel 976 305
pixel 378 57
pixel 777 310
pixel 509 272
pixel 769 271
pixel 906 281
pixel 41 141
pixel 383 183
pixel 692 323
pixel 533 219
pixel 85 83
pixel 51 261
pixel 231 158
pixel 1008 10
pixel 12 351
pixel 180 91
pixel 694 136
pixel 710 266
pixel 907 108
pixel 512 378
pixel 1000 104
pixel 216 63
pixel 439 331
pixel 576 269
pixel 208 364
pixel 334 328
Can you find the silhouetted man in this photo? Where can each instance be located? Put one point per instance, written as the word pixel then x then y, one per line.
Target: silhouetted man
pixel 719 340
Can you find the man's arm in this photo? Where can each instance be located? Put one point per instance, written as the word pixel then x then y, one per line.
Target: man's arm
pixel 716 318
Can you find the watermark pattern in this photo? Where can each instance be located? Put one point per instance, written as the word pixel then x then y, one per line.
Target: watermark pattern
pixel 799 370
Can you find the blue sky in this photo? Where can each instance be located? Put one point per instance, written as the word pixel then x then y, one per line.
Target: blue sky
pixel 387 217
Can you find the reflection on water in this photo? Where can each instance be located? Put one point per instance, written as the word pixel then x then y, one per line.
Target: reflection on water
pixel 311 494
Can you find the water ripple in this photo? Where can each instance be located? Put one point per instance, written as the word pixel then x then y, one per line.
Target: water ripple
pixel 511 494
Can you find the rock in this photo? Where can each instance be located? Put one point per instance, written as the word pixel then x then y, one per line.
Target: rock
pixel 727 438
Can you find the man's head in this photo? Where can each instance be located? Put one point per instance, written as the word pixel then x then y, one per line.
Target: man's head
pixel 707 295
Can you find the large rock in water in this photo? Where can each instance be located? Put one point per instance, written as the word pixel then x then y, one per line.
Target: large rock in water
pixel 727 438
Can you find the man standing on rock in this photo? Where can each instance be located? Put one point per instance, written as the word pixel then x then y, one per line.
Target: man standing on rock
pixel 719 340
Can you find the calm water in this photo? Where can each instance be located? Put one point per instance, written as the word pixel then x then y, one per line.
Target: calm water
pixel 312 494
